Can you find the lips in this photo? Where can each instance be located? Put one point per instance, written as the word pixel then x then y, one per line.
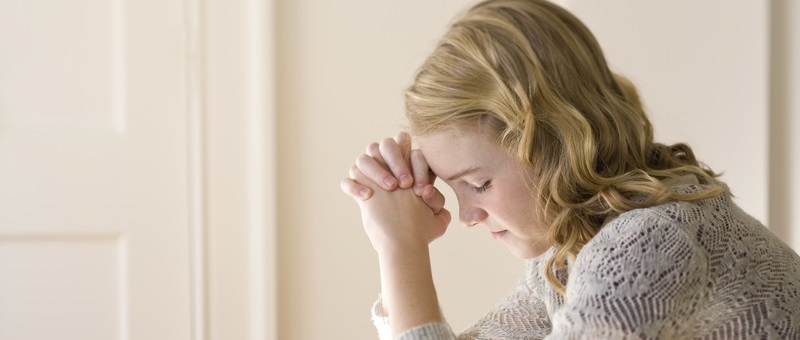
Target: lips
pixel 499 234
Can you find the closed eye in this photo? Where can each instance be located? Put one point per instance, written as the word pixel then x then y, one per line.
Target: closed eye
pixel 481 189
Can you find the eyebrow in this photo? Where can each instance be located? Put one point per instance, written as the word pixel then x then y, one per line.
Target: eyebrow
pixel 464 172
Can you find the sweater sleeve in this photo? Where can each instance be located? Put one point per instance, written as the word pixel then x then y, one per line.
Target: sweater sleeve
pixel 429 331
pixel 521 315
pixel 380 320
pixel 640 279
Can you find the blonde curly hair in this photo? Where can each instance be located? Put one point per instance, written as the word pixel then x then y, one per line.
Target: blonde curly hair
pixel 535 73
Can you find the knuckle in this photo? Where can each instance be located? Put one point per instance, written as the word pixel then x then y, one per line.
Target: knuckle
pixel 400 140
pixel 388 141
pixel 348 185
pixel 373 148
pixel 362 159
pixel 389 147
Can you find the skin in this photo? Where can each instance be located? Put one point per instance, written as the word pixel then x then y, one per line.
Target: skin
pixel 400 225
pixel 402 212
pixel 494 190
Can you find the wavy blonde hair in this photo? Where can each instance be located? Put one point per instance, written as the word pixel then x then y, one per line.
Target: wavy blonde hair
pixel 537 75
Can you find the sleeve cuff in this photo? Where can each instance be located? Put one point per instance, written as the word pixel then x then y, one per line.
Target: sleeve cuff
pixel 429 331
pixel 380 320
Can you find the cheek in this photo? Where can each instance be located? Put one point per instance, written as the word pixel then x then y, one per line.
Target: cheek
pixel 518 206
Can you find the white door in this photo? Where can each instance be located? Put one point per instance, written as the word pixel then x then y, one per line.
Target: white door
pixel 94 196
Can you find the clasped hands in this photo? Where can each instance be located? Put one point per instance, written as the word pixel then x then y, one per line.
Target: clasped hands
pixel 393 186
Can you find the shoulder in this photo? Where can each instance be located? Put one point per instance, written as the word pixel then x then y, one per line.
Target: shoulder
pixel 675 221
pixel 641 271
pixel 639 252
pixel 645 230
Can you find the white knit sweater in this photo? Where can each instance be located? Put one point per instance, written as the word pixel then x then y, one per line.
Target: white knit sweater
pixel 674 271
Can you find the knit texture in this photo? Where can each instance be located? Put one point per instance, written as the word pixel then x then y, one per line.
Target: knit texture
pixel 679 270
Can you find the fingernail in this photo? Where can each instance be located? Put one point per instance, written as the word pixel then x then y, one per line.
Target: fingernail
pixel 364 194
pixel 427 192
pixel 419 189
pixel 389 182
pixel 405 179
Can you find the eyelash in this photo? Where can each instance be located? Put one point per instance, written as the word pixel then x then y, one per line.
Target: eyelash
pixel 481 189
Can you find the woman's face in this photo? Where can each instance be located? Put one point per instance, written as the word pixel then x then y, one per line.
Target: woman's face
pixel 494 189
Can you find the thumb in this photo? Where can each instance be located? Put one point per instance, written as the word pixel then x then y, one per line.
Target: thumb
pixel 443 219
pixel 433 198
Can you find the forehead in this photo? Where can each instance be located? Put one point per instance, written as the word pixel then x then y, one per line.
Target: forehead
pixel 449 151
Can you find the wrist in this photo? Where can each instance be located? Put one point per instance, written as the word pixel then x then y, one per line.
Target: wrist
pixel 409 297
pixel 401 250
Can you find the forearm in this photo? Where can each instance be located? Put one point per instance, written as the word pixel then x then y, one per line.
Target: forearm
pixel 409 296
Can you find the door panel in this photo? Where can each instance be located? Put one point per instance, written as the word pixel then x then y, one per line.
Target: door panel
pixel 94 230
pixel 54 286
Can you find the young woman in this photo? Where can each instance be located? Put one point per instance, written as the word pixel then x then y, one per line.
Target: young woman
pixel 553 154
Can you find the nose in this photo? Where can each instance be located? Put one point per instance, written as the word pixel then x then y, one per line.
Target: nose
pixel 471 215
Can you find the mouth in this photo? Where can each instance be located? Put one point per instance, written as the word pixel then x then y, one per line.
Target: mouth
pixel 499 234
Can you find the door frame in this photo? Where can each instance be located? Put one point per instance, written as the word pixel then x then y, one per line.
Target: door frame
pixel 232 166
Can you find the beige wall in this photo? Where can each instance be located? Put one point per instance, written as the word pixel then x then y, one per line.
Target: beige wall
pixel 342 67
pixel 703 69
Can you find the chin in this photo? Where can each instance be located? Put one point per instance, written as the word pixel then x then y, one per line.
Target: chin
pixel 528 251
